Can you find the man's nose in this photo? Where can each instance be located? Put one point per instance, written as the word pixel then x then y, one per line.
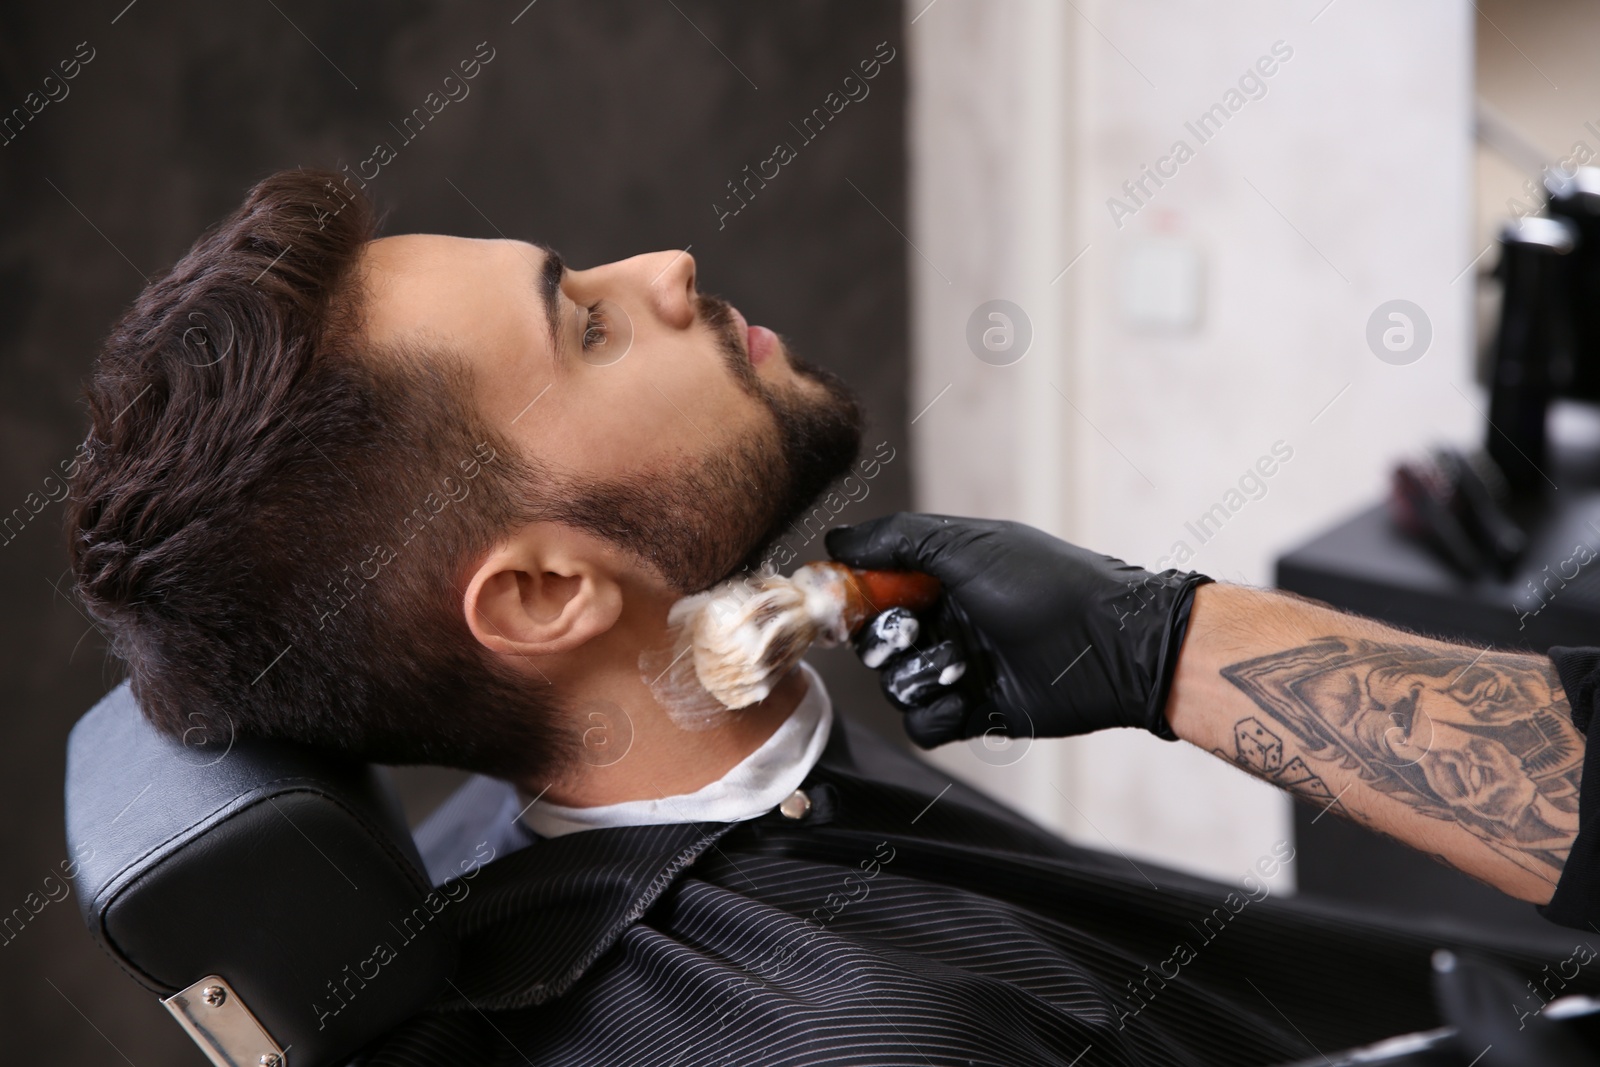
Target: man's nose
pixel 665 280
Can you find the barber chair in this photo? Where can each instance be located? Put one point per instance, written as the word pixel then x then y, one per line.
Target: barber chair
pixel 248 884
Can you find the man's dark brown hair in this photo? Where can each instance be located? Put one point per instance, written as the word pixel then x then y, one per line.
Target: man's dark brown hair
pixel 275 524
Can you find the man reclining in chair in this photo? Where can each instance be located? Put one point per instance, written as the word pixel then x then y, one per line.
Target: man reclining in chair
pixel 425 499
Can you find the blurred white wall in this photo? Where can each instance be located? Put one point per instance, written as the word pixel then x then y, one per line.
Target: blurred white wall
pixel 1183 336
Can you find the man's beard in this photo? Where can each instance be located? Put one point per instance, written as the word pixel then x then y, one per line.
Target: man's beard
pixel 720 513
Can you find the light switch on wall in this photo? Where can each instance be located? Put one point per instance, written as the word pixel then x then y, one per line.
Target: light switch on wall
pixel 1159 284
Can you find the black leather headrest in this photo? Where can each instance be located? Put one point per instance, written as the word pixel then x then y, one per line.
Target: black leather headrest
pixel 288 872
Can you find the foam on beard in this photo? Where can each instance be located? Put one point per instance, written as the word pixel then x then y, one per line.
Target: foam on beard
pixel 728 647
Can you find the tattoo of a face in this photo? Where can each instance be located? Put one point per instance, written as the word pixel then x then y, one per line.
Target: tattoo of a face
pixel 1484 741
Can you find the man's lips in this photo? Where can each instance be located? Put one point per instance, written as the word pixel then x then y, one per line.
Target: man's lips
pixel 758 340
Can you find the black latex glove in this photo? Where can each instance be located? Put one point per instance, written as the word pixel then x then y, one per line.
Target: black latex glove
pixel 1031 636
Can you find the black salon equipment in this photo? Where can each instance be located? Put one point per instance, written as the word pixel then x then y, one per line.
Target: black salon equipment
pixel 1575 198
pixel 1533 354
pixel 1492 1020
pixel 1456 504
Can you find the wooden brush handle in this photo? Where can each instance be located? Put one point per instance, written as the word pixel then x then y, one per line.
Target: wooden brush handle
pixel 868 593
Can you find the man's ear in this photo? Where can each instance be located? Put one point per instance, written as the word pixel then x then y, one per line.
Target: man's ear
pixel 544 591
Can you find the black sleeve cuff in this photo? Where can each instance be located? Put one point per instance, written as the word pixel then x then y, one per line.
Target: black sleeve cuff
pixel 1171 648
pixel 1576 902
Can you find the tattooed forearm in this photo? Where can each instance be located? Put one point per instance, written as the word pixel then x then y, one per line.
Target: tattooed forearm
pixel 1482 740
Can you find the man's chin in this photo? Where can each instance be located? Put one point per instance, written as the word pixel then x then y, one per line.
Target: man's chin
pixel 819 423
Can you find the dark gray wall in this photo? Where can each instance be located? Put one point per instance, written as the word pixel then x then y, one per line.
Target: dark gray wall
pixel 603 128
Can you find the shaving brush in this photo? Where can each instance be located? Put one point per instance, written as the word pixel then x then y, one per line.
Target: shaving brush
pixel 748 633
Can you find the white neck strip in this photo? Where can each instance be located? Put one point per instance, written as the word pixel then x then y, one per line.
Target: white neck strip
pixel 752 787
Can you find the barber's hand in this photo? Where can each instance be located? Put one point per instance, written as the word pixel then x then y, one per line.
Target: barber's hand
pixel 1032 636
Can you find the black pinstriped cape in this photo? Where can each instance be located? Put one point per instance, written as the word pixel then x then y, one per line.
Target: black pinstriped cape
pixel 905 921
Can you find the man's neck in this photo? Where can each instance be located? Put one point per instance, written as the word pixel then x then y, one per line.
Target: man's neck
pixel 642 754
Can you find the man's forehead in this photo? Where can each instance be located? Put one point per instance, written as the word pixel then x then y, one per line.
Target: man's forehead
pixel 422 285
pixel 414 253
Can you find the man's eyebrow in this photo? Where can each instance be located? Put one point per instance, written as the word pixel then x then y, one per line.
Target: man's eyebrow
pixel 550 293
